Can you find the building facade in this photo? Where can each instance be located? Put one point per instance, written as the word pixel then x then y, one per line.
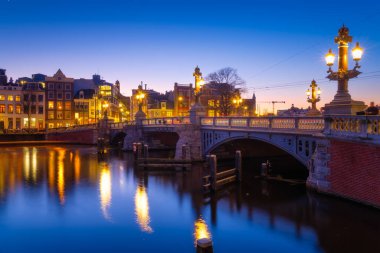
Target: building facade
pixel 59 100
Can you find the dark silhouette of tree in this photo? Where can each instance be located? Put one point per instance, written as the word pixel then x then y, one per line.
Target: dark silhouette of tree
pixel 228 85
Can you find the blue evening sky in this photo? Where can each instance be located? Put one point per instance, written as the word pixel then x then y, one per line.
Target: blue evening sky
pixel 271 43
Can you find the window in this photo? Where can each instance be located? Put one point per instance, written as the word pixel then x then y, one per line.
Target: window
pixel 50 115
pixel 40 109
pixel 59 115
pixel 18 98
pixel 51 104
pixel 59 95
pixel 10 123
pixel 59 86
pixel 33 98
pixel 26 108
pixel 10 109
pixel 10 98
pixel 51 86
pixel 68 96
pixel 2 97
pixel 26 97
pixel 67 106
pixel 51 94
pixel 67 115
pixel 18 109
pixel 40 98
pixel 2 108
pixel 51 125
pixel 67 86
pixel 59 105
pixel 33 109
pixel 211 103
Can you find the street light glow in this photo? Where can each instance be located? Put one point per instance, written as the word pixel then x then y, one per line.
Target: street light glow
pixel 357 52
pixel 330 58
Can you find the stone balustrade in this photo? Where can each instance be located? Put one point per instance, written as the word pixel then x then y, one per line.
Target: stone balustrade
pixel 364 127
pixel 287 123
pixel 166 121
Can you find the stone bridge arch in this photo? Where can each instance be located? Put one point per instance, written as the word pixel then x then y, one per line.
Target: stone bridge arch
pixel 300 147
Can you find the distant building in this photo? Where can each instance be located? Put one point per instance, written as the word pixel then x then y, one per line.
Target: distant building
pixel 85 107
pixel 292 111
pixel 160 109
pixel 11 113
pixel 34 104
pixel 183 99
pixel 59 100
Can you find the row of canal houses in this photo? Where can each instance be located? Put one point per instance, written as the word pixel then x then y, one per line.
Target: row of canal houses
pixel 41 102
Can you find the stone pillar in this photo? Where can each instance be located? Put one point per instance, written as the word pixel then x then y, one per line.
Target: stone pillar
pixel 196 112
pixel 190 136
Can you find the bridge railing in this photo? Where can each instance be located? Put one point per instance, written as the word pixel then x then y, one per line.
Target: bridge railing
pixel 72 128
pixel 353 126
pixel 166 121
pixel 290 123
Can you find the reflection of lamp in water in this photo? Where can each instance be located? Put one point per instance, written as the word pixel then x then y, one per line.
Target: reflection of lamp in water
pixel 105 187
pixel 34 164
pixel 26 163
pixel 61 176
pixel 142 209
pixel 201 230
pixel 76 166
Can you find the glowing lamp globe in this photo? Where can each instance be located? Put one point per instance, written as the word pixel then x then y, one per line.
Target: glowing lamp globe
pixel 357 52
pixel 330 58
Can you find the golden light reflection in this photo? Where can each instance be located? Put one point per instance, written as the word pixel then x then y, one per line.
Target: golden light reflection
pixel 105 187
pixel 51 170
pixel 142 209
pixel 26 161
pixel 34 165
pixel 201 230
pixel 61 176
pixel 77 167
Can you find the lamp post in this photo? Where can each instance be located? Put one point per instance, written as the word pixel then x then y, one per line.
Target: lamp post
pixel 313 96
pixel 342 102
pixel 140 96
pixel 105 108
pixel 199 82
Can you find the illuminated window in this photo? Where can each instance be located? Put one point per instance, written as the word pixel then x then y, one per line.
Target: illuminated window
pixel 67 106
pixel 67 115
pixel 51 104
pixel 50 115
pixel 10 98
pixel 211 103
pixel 2 97
pixel 18 109
pixel 51 125
pixel 2 108
pixel 18 98
pixel 59 105
pixel 59 115
pixel 211 113
pixel 10 109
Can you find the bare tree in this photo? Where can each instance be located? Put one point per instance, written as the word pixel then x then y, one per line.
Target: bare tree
pixel 228 85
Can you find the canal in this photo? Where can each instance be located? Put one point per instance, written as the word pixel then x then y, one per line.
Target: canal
pixel 66 199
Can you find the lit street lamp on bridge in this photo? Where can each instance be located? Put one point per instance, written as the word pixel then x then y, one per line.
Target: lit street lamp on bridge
pixel 313 96
pixel 342 102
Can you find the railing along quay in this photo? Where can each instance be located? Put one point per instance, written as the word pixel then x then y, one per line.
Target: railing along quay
pixel 166 121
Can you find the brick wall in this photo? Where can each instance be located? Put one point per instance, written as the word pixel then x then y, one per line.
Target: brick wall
pixel 355 171
pixel 88 136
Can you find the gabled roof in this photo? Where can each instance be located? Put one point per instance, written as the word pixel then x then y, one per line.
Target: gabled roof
pixel 59 74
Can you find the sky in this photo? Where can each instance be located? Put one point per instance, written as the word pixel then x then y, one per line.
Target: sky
pixel 277 46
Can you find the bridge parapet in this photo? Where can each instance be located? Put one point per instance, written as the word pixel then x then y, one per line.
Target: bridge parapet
pixel 365 128
pixel 166 121
pixel 267 123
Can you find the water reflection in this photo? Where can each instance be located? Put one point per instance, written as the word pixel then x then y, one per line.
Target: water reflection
pixel 201 230
pixel 105 187
pixel 142 209
pixel 61 176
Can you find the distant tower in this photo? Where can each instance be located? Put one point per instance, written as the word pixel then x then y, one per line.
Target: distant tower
pixel 254 104
pixel 3 77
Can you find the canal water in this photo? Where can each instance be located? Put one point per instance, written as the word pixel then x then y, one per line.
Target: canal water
pixel 66 199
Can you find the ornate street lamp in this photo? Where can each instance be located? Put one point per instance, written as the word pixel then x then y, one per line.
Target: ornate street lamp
pixel 199 82
pixel 313 96
pixel 140 96
pixel 342 103
pixel 237 101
